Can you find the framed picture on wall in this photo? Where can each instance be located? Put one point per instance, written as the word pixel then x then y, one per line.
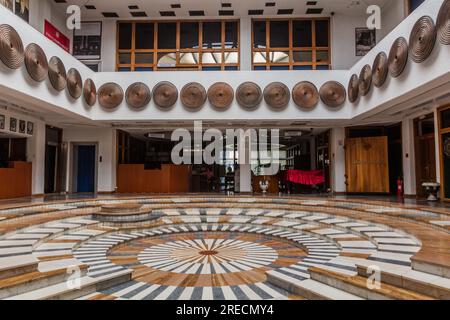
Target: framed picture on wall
pixel 2 122
pixel 13 125
pixel 22 9
pixel 87 41
pixel 22 126
pixel 365 40
pixel 7 3
pixel 30 128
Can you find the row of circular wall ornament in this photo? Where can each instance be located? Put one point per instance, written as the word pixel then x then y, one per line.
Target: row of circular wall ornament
pixel 193 95
pixel 421 43
pixel 221 95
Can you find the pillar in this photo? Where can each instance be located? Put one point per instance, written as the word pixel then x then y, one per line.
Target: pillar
pixel 36 155
pixel 409 169
pixel 338 160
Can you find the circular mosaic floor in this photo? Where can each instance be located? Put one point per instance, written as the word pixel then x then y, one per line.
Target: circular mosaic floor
pixel 203 259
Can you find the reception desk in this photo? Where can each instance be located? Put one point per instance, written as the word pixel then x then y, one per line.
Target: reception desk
pixel 15 181
pixel 134 178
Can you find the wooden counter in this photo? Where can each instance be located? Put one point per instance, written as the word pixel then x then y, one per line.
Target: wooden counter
pixel 15 181
pixel 133 178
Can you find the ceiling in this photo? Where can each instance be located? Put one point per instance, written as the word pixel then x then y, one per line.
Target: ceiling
pixel 182 8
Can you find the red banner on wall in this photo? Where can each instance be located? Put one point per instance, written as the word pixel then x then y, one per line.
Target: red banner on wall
pixel 56 36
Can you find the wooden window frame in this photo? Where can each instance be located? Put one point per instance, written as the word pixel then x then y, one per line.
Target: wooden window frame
pixel 442 131
pixel 291 49
pixel 178 51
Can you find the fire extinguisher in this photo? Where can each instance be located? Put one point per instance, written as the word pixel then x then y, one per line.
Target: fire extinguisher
pixel 399 187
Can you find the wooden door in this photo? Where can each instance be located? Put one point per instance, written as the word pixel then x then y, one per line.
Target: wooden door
pixel 425 162
pixel 366 164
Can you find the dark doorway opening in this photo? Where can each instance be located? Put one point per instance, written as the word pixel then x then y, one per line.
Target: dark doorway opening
pixel 54 161
pixel 86 168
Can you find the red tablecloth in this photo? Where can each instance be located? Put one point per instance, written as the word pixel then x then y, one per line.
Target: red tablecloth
pixel 308 178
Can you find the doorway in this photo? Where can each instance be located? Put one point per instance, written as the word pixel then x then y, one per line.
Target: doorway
pixel 425 155
pixel 54 161
pixel 84 168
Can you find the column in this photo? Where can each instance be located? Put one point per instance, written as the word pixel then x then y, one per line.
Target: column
pixel 36 155
pixel 246 43
pixel 409 169
pixel 338 160
pixel 437 139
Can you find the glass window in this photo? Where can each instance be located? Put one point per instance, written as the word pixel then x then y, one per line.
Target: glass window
pixel 189 32
pixel 125 36
pixel 231 57
pixel 124 58
pixel 445 119
pixel 302 56
pixel 167 60
pixel 231 34
pixel 144 35
pixel 143 58
pixel 167 35
pixel 279 34
pixel 259 34
pixel 322 56
pixel 212 35
pixel 279 57
pixel 302 33
pixel 322 33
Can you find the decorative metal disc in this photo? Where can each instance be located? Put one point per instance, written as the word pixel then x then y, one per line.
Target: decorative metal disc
pixel 249 95
pixel 398 57
pixel 193 95
pixel 138 95
pixel 380 70
pixel 305 95
pixel 365 80
pixel 277 95
pixel 353 88
pixel 443 23
pixel 57 73
pixel 36 62
pixel 165 94
pixel 333 94
pixel 422 39
pixel 11 47
pixel 220 95
pixel 90 92
pixel 110 95
pixel 74 83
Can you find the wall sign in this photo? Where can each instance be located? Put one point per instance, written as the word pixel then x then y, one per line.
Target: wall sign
pixel 22 9
pixel 365 40
pixel 56 36
pixel 87 41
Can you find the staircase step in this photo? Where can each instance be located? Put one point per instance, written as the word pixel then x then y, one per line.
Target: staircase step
pixel 17 265
pixel 35 280
pixel 87 286
pixel 357 285
pixel 309 289
pixel 424 283
pixel 436 267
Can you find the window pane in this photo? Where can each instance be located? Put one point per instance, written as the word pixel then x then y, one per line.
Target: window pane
pixel 279 34
pixel 323 67
pixel 125 36
pixel 189 58
pixel 259 34
pixel 143 58
pixel 279 57
pixel 144 35
pixel 231 34
pixel 212 57
pixel 167 35
pixel 231 57
pixel 302 56
pixel 322 31
pixel 167 60
pixel 124 58
pixel 445 120
pixel 189 32
pixel 212 35
pixel 302 33
pixel 259 57
pixel 322 56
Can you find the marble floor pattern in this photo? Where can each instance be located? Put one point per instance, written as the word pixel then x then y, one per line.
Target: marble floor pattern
pixel 203 248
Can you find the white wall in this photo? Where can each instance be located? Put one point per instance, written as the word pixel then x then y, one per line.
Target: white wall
pixel 338 160
pixel 392 14
pixel 105 138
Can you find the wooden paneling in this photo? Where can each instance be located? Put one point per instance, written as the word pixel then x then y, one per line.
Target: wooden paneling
pixel 15 181
pixel 425 161
pixel 443 132
pixel 366 164
pixel 133 178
